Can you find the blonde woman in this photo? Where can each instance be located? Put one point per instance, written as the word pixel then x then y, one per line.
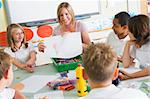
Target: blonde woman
pixel 67 23
pixel 23 55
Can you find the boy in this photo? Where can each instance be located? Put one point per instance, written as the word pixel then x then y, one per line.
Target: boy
pixel 119 37
pixel 100 60
pixel 6 77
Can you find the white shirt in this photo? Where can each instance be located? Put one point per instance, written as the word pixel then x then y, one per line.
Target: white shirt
pixel 113 92
pixel 116 43
pixel 21 54
pixel 7 93
pixel 142 54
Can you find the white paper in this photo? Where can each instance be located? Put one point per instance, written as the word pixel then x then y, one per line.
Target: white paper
pixel 130 69
pixel 131 84
pixel 42 59
pixel 147 83
pixel 71 74
pixel 67 46
pixel 50 95
pixel 34 83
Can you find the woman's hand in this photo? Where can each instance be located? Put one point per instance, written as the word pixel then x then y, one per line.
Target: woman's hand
pixel 41 47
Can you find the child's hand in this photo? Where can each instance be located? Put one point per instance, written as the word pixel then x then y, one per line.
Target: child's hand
pixel 31 62
pixel 119 58
pixel 41 47
pixel 29 68
pixel 124 75
pixel 133 42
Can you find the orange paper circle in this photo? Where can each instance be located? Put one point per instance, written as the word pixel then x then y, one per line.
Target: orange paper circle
pixel 3 39
pixel 44 31
pixel 28 33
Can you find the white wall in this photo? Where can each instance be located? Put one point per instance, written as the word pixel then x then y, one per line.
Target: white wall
pixel 134 6
pixel 21 11
pixel 111 7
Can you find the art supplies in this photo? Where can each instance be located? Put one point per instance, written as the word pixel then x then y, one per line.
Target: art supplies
pixel 62 83
pixel 64 64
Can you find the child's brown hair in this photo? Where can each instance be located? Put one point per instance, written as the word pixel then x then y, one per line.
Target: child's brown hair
pixel 5 63
pixel 139 26
pixel 99 62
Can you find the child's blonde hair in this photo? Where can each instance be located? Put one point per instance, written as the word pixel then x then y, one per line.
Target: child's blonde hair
pixel 10 38
pixel 5 63
pixel 99 60
pixel 70 10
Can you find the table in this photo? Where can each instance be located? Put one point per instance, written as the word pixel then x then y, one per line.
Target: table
pixel 138 83
pixel 20 75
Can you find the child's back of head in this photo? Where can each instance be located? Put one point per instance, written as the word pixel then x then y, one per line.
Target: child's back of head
pixel 5 63
pixel 99 60
pixel 6 77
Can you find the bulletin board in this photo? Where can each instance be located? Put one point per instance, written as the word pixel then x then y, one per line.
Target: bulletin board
pixel 22 11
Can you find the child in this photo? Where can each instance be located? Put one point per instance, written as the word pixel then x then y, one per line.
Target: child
pixel 138 47
pixel 100 66
pixel 67 23
pixel 6 77
pixel 119 37
pixel 24 56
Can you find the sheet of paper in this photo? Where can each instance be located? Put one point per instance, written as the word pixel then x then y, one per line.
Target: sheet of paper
pixel 142 83
pixel 42 59
pixel 131 69
pixel 148 84
pixel 71 74
pixel 50 95
pixel 34 83
pixel 67 46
